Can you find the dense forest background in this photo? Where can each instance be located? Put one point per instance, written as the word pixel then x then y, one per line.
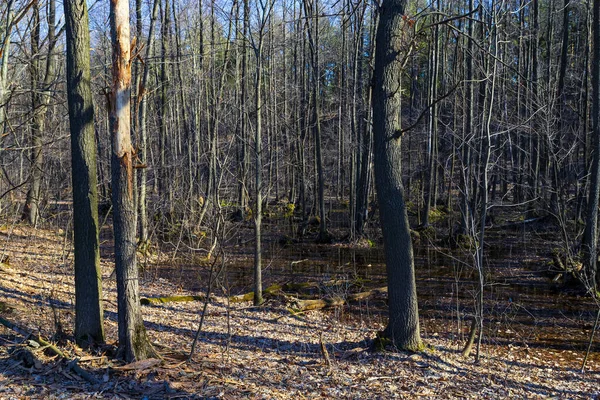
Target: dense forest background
pixel 511 77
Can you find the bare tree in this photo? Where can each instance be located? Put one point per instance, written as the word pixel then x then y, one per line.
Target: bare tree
pixel 43 79
pixel 133 340
pixel 311 12
pixel 142 128
pixel 264 13
pixel 590 237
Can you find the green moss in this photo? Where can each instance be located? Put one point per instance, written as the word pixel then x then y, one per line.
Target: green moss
pixel 226 204
pixel 270 291
pixel 289 210
pixel 140 343
pixel 382 342
pixel 437 214
pixel 169 299
pixel 424 348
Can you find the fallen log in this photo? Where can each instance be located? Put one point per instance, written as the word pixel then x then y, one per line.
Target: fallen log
pixel 367 294
pixel 316 304
pixel 270 291
pixel 23 332
pixel 169 299
pixel 276 289
pixel 298 305
pixel 296 287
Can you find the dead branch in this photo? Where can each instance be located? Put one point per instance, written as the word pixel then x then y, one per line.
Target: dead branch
pixel 71 363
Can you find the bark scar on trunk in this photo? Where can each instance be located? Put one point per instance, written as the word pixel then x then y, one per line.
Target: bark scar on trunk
pixel 127 164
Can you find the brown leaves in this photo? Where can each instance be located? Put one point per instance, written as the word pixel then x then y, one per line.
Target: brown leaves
pixel 140 365
pixel 266 353
pixel 409 21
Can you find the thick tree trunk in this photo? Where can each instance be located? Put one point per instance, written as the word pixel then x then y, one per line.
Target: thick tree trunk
pixel 403 326
pixel 88 284
pixel 133 341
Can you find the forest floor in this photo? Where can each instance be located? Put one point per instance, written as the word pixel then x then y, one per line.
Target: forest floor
pixel 248 352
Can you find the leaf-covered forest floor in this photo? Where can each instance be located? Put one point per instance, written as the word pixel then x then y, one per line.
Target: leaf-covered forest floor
pixel 530 350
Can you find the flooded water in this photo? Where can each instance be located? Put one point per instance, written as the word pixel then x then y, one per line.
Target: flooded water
pixel 522 305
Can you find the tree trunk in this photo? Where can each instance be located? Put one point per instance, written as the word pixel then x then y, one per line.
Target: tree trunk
pixel 133 340
pixel 403 326
pixel 88 283
pixel 469 128
pixel 429 183
pixel 590 237
pixel 258 195
pixel 311 11
pixel 4 52
pixel 163 182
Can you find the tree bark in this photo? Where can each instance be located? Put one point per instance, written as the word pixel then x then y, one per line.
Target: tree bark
pixel 133 340
pixel 4 52
pixel 590 237
pixel 88 277
pixel 258 156
pixel 403 325
pixel 429 181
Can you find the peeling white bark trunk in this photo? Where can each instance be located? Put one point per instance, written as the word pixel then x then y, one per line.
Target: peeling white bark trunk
pixel 133 340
